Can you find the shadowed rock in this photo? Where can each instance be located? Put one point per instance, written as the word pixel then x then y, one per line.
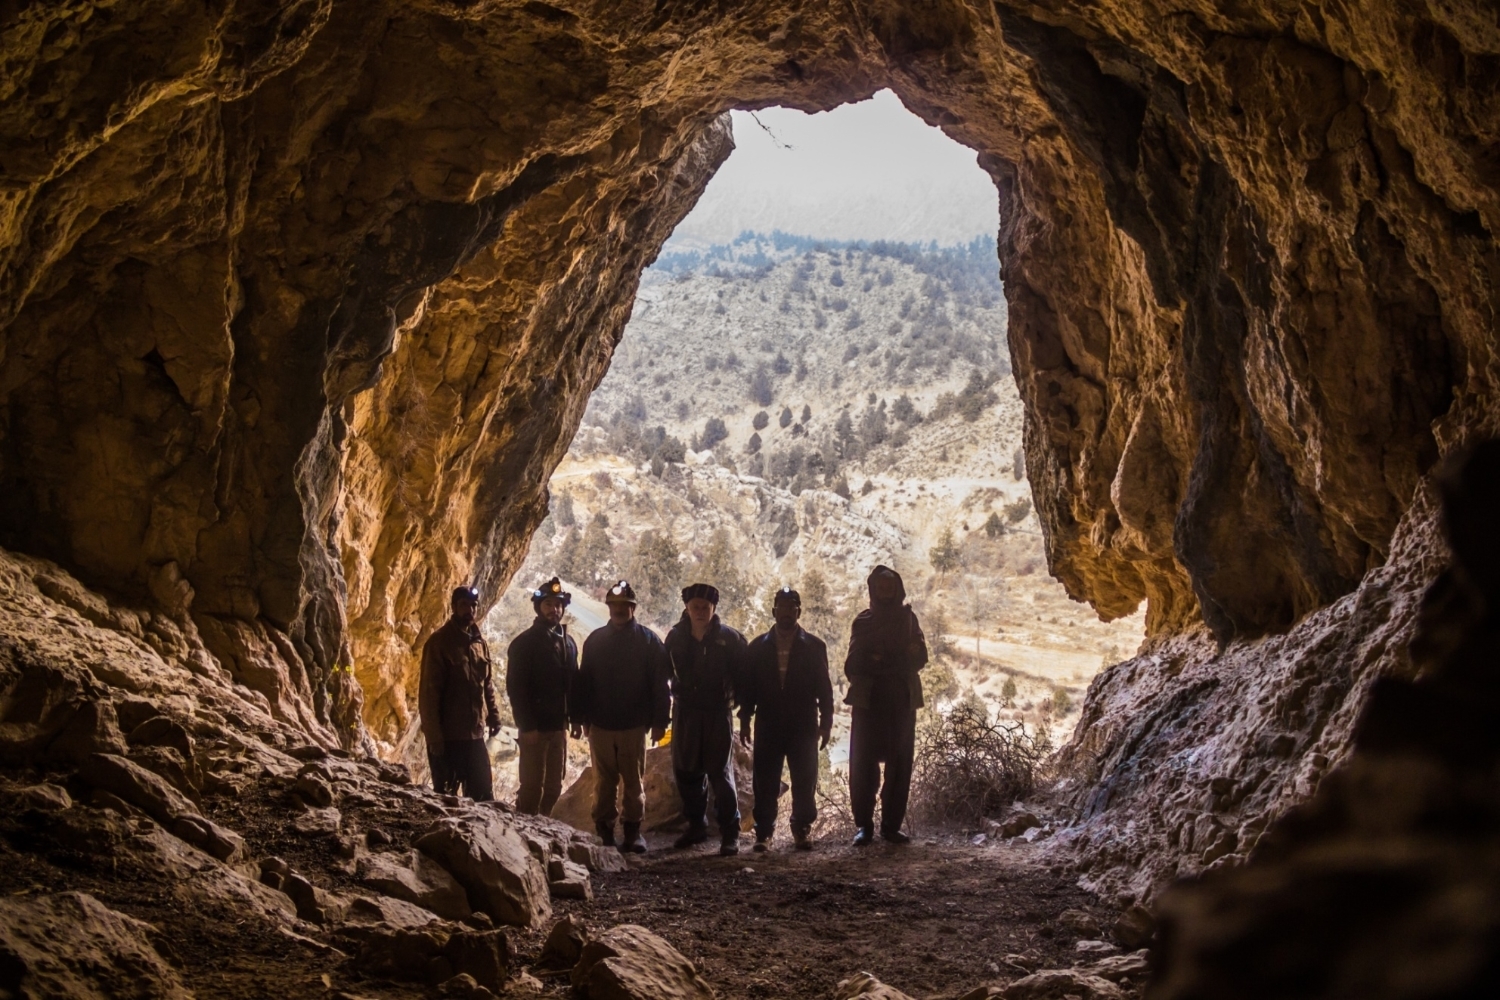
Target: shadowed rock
pixel 490 860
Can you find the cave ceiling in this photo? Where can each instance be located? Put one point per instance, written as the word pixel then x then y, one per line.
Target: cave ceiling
pixel 302 300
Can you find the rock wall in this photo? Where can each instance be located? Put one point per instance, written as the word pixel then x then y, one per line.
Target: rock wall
pixel 302 298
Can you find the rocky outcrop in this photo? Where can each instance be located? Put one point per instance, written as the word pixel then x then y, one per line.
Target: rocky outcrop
pixel 72 945
pixel 490 859
pixel 629 962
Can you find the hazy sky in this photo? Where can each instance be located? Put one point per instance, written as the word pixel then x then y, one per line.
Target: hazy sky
pixel 865 171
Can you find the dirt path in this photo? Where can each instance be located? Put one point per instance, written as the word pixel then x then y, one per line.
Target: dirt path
pixel 932 920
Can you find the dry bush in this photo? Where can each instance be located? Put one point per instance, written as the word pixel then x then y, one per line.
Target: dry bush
pixel 968 767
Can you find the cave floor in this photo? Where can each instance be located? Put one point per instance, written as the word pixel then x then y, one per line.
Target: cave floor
pixel 935 918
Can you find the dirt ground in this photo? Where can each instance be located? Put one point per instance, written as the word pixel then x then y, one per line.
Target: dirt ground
pixel 935 918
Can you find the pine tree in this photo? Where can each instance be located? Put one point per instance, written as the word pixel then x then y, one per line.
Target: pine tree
pixel 993 526
pixel 944 555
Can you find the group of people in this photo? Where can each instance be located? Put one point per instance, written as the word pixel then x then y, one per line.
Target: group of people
pixel 630 685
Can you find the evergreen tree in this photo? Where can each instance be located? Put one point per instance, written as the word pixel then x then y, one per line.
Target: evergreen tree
pixel 993 526
pixel 753 445
pixel 760 386
pixel 761 420
pixel 564 512
pixel 944 555
pixel 596 553
pixel 806 412
pixel 785 420
pixel 656 574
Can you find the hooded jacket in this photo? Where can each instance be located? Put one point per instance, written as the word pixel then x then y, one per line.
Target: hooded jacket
pixel 885 643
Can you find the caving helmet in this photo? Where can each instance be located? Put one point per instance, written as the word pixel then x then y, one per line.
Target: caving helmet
pixel 621 593
pixel 552 588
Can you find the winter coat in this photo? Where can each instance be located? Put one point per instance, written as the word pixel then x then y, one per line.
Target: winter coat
pixel 800 708
pixel 886 651
pixel 708 677
pixel 622 680
pixel 456 692
pixel 541 665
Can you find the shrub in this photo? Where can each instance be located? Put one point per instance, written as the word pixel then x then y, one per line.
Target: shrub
pixel 806 412
pixel 781 366
pixel 1008 692
pixel 714 431
pixel 760 387
pixel 993 527
pixel 1016 512
pixel 753 445
pixel 761 420
pixel 1062 704
pixel 968 767
pixel 785 420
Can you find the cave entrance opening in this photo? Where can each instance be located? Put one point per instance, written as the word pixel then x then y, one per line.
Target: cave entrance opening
pixel 815 380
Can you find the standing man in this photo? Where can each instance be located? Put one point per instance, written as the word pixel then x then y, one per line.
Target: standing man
pixel 620 695
pixel 886 651
pixel 456 699
pixel 790 696
pixel 708 674
pixel 540 667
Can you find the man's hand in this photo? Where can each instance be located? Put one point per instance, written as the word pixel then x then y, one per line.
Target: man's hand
pixel 658 733
pixel 826 735
pixel 745 731
pixel 493 724
pixel 577 732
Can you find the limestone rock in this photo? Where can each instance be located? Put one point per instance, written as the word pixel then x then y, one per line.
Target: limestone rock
pixel 595 857
pixel 490 860
pixel 629 962
pixel 391 912
pixel 72 945
pixel 1079 923
pixel 568 880
pixel 434 955
pixel 1058 984
pixel 1122 968
pixel 415 878
pixel 564 945
pixel 1135 927
pixel 163 803
pixel 864 986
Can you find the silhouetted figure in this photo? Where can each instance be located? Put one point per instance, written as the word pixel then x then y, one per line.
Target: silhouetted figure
pixel 456 699
pixel 886 652
pixel 790 697
pixel 541 666
pixel 620 695
pixel 708 673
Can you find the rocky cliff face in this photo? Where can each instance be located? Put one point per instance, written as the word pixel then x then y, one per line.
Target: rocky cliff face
pixel 302 299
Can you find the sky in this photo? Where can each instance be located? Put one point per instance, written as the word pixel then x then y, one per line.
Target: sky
pixel 865 171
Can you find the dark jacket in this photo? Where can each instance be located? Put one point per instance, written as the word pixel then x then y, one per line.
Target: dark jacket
pixel 622 680
pixel 540 667
pixel 803 706
pixel 708 675
pixel 456 693
pixel 886 651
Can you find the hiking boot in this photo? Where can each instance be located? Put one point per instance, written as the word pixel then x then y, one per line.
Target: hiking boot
pixel 895 836
pixel 801 840
pixel 606 833
pixel 633 842
pixel 865 837
pixel 762 845
pixel 695 835
pixel 729 846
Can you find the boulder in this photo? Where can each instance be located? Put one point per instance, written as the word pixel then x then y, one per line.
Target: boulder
pixel 1119 968
pixel 72 945
pixel 490 860
pixel 394 913
pixel 151 794
pixel 314 790
pixel 434 954
pixel 45 797
pixel 1056 984
pixel 56 713
pixel 564 945
pixel 1019 824
pixel 568 880
pixel 596 857
pixel 663 804
pixel 415 878
pixel 1135 928
pixel 864 986
pixel 629 962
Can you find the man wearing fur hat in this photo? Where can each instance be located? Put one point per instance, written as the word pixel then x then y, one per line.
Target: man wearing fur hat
pixel 708 665
pixel 540 666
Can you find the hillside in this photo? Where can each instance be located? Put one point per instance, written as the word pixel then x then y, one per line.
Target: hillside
pixel 781 411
